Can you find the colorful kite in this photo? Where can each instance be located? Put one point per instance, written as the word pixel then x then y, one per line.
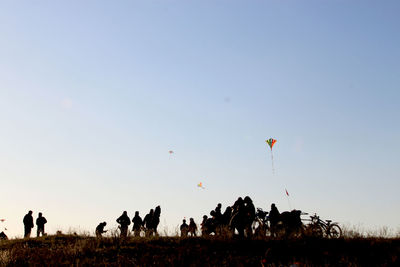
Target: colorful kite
pixel 271 142
pixel 2 220
pixel 201 185
pixel 171 152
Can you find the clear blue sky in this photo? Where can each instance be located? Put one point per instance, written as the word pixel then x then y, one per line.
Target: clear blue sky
pixel 93 95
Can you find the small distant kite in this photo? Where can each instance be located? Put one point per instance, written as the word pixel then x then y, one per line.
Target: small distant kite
pixel 201 185
pixel 2 220
pixel 171 152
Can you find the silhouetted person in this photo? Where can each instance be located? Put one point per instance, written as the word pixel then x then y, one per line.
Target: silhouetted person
pixel 238 220
pixel 147 222
pixel 100 229
pixel 291 221
pixel 28 224
pixel 124 222
pixel 237 205
pixel 217 217
pixel 137 224
pixel 156 219
pixel 226 217
pixel 192 227
pixel 211 226
pixel 212 213
pixel 274 214
pixel 204 230
pixel 40 222
pixel 225 220
pixel 218 213
pixel 213 223
pixel 274 217
pixel 184 229
pixel 250 215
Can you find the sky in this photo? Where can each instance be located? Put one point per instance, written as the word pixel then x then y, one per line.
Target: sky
pixel 94 94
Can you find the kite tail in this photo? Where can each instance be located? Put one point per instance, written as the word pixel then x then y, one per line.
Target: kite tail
pixel 272 162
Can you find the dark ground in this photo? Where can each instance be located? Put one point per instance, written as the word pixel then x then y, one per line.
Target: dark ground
pixel 67 250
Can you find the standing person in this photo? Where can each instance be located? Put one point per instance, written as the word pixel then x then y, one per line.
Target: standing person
pixel 156 219
pixel 217 216
pixel 237 205
pixel 250 215
pixel 274 217
pixel 192 227
pixel 204 228
pixel 218 213
pixel 226 217
pixel 40 222
pixel 28 224
pixel 124 222
pixel 147 222
pixel 184 229
pixel 137 224
pixel 100 229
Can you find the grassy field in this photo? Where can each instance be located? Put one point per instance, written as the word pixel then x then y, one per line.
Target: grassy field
pixel 70 250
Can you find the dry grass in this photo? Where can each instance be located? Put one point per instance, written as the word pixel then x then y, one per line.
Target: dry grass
pixel 83 250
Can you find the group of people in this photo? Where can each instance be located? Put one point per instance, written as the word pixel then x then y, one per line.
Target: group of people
pixel 239 216
pixel 28 224
pixel 188 229
pixel 148 224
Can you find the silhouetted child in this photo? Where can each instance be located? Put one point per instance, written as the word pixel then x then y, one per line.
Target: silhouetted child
pixel 28 224
pixel 100 229
pixel 184 229
pixel 124 222
pixel 40 222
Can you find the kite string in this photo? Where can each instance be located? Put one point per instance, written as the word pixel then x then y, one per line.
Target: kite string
pixel 288 199
pixel 273 174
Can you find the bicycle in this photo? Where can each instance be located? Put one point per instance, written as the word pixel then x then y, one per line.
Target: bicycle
pixel 324 228
pixel 260 225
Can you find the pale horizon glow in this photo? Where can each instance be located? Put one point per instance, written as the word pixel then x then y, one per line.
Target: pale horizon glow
pixel 94 95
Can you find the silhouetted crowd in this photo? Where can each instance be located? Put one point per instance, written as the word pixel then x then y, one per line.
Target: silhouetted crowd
pixel 243 218
pixel 238 218
pixel 148 225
